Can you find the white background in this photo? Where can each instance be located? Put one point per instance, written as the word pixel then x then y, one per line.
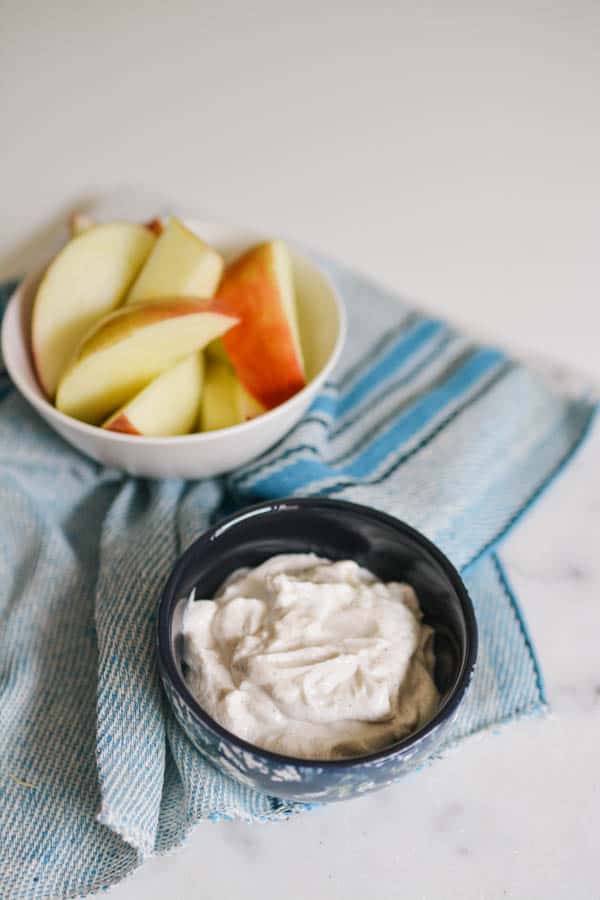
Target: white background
pixel 453 151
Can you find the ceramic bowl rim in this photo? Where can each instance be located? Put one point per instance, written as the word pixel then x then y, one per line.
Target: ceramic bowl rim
pixel 40 402
pixel 168 665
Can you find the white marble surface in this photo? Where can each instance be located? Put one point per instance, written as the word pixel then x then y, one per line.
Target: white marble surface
pixel 451 149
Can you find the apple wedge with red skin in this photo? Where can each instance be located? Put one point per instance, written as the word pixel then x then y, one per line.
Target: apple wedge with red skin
pixel 167 406
pixel 264 348
pixel 130 348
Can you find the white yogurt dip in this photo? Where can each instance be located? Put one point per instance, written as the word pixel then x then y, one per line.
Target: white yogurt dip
pixel 311 658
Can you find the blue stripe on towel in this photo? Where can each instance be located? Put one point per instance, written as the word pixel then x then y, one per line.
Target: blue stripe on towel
pixel 399 355
pixel 411 424
pixel 372 373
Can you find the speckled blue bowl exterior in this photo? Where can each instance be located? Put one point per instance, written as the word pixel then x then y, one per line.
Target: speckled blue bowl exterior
pixel 338 530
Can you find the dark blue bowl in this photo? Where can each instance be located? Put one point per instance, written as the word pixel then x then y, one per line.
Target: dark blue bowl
pixel 338 530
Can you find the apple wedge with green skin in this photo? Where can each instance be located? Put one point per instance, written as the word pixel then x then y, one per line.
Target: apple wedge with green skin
pixel 225 402
pixel 130 348
pixel 167 406
pixel 264 348
pixel 180 265
pixel 85 281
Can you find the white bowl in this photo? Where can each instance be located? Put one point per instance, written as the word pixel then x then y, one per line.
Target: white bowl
pixel 322 323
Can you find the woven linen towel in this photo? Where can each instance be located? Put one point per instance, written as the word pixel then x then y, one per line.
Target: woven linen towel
pixel 456 439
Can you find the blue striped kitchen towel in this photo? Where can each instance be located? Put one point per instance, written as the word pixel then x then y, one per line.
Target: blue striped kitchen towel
pixel 456 438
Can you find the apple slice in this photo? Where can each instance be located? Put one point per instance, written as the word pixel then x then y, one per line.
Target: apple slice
pixel 264 348
pixel 87 280
pixel 225 401
pixel 218 406
pixel 130 348
pixel 181 265
pixel 168 406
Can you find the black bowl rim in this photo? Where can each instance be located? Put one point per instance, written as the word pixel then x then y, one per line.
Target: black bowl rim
pixel 168 665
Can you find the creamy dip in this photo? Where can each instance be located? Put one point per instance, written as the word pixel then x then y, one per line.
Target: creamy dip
pixel 311 658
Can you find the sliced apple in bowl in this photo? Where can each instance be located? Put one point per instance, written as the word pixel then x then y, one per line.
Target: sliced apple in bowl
pixel 85 281
pixel 264 348
pixel 115 364
pixel 131 347
pixel 167 406
pixel 180 265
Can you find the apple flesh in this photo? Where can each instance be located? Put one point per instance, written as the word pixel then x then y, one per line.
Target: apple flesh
pixel 130 348
pixel 180 265
pixel 264 348
pixel 218 407
pixel 85 281
pixel 225 402
pixel 167 406
pixel 247 407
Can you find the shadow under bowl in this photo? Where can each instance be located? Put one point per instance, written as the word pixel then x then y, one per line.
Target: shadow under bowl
pixel 338 530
